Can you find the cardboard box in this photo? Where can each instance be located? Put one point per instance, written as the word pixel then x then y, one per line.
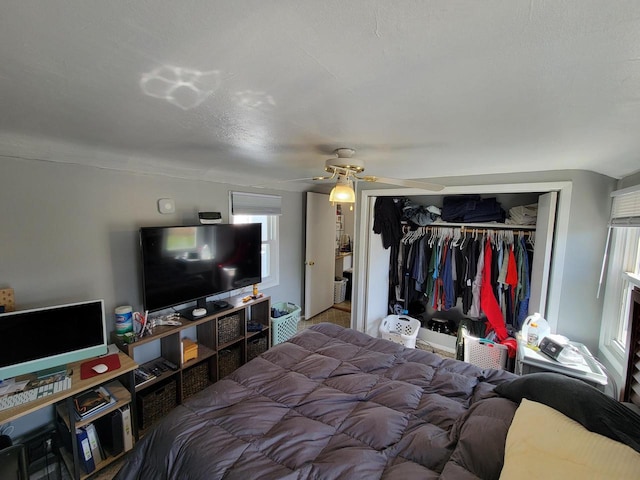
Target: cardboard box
pixel 189 350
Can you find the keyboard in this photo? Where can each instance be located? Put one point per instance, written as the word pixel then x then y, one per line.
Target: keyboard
pixel 31 394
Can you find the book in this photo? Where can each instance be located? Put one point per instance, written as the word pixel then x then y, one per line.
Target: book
pixel 91 401
pixel 84 451
pixel 94 442
pixel 142 376
pixel 127 432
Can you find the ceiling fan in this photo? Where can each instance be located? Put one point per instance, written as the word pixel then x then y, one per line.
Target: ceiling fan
pixel 346 170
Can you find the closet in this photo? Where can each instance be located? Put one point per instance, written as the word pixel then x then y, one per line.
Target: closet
pixel 552 199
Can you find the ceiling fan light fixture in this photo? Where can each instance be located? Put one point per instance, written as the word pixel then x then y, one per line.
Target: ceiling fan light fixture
pixel 343 191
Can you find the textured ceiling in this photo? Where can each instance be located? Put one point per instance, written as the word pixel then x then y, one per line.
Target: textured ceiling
pixel 255 91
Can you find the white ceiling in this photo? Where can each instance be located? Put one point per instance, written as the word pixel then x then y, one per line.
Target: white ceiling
pixel 246 91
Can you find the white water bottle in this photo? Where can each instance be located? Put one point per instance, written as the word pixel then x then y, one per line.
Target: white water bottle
pixel 532 335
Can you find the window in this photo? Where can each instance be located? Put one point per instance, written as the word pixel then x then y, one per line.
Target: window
pixel 264 209
pixel 623 274
pixel 270 276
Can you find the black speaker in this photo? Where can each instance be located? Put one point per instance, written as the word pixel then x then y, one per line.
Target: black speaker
pixel 210 217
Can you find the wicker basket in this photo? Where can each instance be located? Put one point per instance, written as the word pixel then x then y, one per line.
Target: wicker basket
pixel 229 328
pixel 286 326
pixel 153 404
pixel 195 379
pixel 228 360
pixel 255 347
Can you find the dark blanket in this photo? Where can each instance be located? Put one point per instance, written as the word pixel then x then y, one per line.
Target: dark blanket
pixel 335 403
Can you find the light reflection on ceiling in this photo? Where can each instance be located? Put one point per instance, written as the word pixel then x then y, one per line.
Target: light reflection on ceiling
pixel 183 87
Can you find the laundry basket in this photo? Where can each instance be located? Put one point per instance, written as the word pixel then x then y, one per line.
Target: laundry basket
pixel 400 329
pixel 339 290
pixel 285 326
pixel 484 353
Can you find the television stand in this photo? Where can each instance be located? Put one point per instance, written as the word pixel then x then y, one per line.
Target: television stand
pixel 211 308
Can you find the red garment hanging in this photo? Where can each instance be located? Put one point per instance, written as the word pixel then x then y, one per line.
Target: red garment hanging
pixel 512 275
pixel 488 302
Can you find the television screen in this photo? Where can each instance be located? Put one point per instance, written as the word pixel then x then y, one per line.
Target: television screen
pixel 183 264
pixel 43 338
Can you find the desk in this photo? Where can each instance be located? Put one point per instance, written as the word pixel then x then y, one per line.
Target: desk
pixel 77 386
pixel 530 361
pixel 127 366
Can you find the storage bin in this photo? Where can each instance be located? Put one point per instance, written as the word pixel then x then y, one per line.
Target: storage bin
pixel 229 329
pixel 339 290
pixel 229 359
pixel 484 353
pixel 400 329
pixel 285 326
pixel 195 379
pixel 255 347
pixel 155 403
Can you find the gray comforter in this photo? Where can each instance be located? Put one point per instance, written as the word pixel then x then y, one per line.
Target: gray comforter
pixel 334 403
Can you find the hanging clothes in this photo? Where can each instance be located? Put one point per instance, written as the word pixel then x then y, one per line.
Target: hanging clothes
pixel 438 266
pixel 474 311
pixel 523 307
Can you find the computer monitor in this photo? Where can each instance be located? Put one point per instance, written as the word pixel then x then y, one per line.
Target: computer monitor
pixel 44 338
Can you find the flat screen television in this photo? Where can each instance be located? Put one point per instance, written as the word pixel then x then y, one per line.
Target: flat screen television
pixel 190 263
pixel 44 338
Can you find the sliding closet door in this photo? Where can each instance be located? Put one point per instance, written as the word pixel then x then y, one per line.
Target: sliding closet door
pixel 376 287
pixel 541 266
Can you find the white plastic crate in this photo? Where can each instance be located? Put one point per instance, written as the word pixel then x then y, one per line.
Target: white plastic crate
pixel 286 326
pixel 400 329
pixel 339 290
pixel 484 353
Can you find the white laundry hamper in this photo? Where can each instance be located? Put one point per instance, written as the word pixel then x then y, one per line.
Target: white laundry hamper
pixel 400 329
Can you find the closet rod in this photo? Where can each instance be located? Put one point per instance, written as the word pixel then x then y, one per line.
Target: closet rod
pixel 467 229
pixel 515 231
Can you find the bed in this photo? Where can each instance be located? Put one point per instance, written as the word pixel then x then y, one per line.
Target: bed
pixel 334 403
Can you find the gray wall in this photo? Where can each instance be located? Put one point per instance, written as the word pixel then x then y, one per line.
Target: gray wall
pixel 629 181
pixel 70 233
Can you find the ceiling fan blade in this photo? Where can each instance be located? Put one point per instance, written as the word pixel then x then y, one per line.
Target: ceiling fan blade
pixel 434 187
pixel 273 183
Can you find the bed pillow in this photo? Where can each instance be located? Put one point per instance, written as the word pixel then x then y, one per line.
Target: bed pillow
pixel 542 443
pixel 579 401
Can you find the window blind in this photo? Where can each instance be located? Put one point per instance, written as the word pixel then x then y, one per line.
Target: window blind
pixel 625 210
pixel 255 204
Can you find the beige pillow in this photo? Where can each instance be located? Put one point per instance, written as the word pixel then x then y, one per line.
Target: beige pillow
pixel 543 443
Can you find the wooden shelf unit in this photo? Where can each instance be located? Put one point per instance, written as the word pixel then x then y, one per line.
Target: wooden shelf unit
pixel 63 402
pixel 65 412
pixel 169 337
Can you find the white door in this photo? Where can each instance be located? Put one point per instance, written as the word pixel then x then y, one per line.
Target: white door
pixel 320 255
